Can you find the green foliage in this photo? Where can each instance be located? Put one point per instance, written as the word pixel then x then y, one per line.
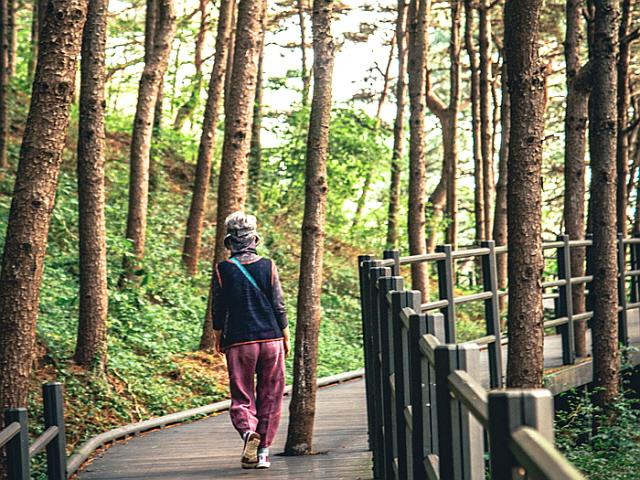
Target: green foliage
pixel 613 451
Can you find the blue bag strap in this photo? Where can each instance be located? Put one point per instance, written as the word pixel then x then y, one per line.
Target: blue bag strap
pixel 245 272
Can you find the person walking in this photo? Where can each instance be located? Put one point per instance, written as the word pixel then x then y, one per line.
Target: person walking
pixel 251 329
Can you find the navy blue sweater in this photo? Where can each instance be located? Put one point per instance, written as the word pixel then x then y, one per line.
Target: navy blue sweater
pixel 244 313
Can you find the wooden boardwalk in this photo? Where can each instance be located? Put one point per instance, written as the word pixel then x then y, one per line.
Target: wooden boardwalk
pixel 210 448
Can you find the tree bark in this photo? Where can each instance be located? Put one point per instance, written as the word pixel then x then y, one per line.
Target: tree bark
pixel 486 142
pixel 232 184
pixel 478 194
pixel 398 129
pixel 231 48
pixel 150 83
pixel 193 237
pixel 575 123
pixel 302 407
pixel 255 155
pixel 306 78
pixel 623 100
pixel 91 344
pixel 526 89
pixel 12 37
pixel 34 194
pixel 603 50
pixel 500 229
pixel 39 7
pixel 417 26
pixel 4 85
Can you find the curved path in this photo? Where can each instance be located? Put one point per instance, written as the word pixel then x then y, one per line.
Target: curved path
pixel 210 448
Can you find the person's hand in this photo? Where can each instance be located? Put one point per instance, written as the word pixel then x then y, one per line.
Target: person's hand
pixel 217 334
pixel 287 342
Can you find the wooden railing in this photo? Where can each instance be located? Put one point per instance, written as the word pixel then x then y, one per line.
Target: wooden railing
pixel 15 438
pixel 429 413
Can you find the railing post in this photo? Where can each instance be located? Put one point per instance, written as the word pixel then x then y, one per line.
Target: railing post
pixel 418 395
pixel 635 265
pixel 400 300
pixel 508 410
pixel 492 312
pixel 589 272
pixel 623 326
pixel 460 436
pixel 364 266
pixel 54 417
pixel 18 447
pixel 435 327
pixel 564 305
pixel 386 285
pixel 395 256
pixel 375 363
pixel 446 283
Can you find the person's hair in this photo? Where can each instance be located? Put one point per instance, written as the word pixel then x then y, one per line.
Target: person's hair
pixel 240 224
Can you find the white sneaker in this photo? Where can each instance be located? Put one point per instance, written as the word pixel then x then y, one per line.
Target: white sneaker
pixel 263 458
pixel 249 452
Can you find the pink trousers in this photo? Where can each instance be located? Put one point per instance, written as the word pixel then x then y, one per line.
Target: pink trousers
pixel 256 408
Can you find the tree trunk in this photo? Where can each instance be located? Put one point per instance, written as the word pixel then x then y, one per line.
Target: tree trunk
pixel 478 194
pixel 34 194
pixel 398 129
pixel 500 230
pixel 306 78
pixel 417 26
pixel 4 86
pixel 150 83
pixel 193 238
pixel 255 156
pixel 603 50
pixel 574 159
pixel 231 48
pixel 623 100
pixel 39 7
pixel 185 111
pixel 486 142
pixel 12 37
pixel 526 82
pixel 303 393
pixel 232 184
pixel 91 345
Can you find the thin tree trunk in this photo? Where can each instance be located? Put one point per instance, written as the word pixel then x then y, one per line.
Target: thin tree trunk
pixel 603 51
pixel 500 230
pixel 231 48
pixel 36 24
pixel 398 129
pixel 91 344
pixel 142 130
pixel 185 111
pixel 232 184
pixel 12 37
pixel 4 86
pixel 526 79
pixel 255 155
pixel 306 78
pixel 478 194
pixel 486 143
pixel 34 194
pixel 576 117
pixel 623 100
pixel 302 407
pixel 417 26
pixel 193 237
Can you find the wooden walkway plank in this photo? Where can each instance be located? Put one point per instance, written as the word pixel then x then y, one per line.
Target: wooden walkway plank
pixel 210 448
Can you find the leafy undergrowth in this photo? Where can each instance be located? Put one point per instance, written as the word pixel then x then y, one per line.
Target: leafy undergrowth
pixel 613 452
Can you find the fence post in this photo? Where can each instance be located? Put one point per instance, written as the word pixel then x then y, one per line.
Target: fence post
pixel 623 327
pixel 18 447
pixel 375 363
pixel 386 285
pixel 446 290
pixel 364 266
pixel 508 410
pixel 435 327
pixel 564 305
pixel 54 416
pixel 419 385
pixel 635 265
pixel 399 300
pixel 395 256
pixel 589 272
pixel 460 436
pixel 492 312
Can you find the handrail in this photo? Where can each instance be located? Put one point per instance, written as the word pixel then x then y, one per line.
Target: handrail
pixel 43 440
pixel 428 344
pixel 539 457
pixel 8 433
pixel 471 394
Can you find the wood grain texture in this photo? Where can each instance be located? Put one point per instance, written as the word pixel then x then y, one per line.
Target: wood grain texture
pixel 210 448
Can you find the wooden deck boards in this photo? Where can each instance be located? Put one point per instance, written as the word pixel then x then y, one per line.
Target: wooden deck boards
pixel 210 448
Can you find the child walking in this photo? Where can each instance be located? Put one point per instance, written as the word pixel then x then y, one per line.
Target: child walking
pixel 250 327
